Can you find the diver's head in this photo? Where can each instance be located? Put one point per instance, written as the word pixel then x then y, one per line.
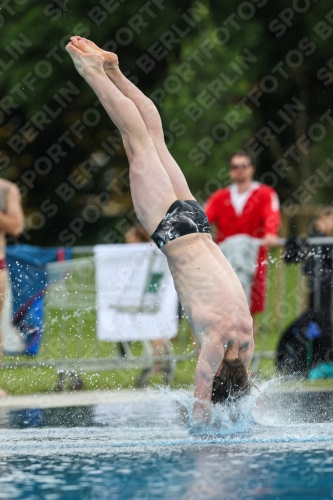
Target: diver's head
pixel 231 381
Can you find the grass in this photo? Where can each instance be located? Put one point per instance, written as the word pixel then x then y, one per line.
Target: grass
pixel 72 333
pixel 81 342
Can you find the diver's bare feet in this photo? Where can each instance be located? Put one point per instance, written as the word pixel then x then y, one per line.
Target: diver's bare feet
pixel 3 394
pixel 110 60
pixel 87 64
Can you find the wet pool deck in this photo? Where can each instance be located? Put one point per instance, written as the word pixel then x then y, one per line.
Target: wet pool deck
pixel 85 398
pixel 80 398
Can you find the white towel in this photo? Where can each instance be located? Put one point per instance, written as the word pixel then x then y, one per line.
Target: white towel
pixel 124 273
pixel 12 340
pixel 241 251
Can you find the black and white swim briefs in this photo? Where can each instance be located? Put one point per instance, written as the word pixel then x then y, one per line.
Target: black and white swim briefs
pixel 183 217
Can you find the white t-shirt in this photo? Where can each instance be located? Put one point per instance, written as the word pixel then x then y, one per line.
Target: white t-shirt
pixel 238 200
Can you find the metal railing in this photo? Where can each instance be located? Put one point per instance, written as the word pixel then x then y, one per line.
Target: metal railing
pixel 287 297
pixel 70 343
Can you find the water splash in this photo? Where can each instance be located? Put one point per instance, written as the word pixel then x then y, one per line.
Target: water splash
pixel 232 418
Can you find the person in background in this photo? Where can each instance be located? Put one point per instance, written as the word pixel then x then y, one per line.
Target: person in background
pixel 137 234
pixel 11 222
pixel 251 208
pixel 319 269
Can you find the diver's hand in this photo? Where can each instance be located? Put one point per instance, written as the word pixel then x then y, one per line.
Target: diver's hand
pixel 210 358
pixel 202 412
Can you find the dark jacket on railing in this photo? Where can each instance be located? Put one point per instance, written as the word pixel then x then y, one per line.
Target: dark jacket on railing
pixel 318 267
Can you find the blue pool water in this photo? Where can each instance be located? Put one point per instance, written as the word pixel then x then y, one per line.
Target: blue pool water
pixel 279 447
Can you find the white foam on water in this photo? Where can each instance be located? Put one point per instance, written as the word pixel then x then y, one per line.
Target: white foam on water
pixel 164 419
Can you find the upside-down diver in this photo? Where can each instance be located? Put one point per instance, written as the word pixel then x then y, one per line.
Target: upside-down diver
pixel 207 286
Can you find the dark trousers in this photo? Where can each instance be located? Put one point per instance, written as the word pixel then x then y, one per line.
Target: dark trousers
pixel 320 306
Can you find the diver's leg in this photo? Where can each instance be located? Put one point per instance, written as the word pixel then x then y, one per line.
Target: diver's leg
pixel 151 188
pixel 149 114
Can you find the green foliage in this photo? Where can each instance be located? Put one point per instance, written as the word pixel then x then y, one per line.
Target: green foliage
pixel 203 102
pixel 289 53
pixel 211 42
pixel 43 31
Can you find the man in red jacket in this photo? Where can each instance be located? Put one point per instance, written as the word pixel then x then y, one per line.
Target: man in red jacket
pixel 247 207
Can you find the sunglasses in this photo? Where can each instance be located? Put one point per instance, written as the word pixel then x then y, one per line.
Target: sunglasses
pixel 235 167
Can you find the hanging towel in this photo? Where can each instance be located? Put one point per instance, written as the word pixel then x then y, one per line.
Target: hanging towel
pixel 241 251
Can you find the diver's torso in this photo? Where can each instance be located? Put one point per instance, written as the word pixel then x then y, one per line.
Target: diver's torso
pixel 207 287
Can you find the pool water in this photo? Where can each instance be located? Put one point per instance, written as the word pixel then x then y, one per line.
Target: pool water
pixel 278 446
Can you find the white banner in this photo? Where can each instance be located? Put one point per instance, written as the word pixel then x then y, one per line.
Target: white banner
pixel 136 298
